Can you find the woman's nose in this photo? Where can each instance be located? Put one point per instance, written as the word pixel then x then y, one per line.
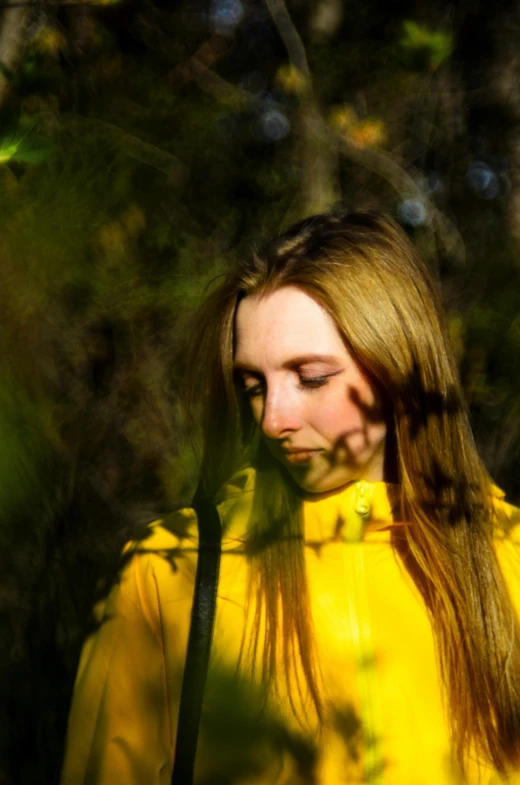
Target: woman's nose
pixel 280 415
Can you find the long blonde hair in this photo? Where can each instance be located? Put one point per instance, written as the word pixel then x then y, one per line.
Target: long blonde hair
pixel 365 273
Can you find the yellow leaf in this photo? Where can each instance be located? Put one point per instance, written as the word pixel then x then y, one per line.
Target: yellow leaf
pixel 290 79
pixel 343 118
pixel 50 41
pixel 368 133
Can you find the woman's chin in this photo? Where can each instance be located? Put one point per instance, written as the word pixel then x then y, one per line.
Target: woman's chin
pixel 316 482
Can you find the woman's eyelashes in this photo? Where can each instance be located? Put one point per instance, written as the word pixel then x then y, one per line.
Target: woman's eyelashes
pixel 304 383
pixel 311 382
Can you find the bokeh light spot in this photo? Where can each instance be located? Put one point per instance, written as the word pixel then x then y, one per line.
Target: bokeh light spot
pixel 482 180
pixel 274 125
pixel 226 15
pixel 413 212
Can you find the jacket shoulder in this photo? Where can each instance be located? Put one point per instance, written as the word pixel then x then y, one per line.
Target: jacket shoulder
pixel 160 560
pixel 178 529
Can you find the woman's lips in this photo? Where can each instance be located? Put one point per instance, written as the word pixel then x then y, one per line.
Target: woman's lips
pixel 299 456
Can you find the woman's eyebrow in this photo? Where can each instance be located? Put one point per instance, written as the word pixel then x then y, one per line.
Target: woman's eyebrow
pixel 293 362
pixel 304 359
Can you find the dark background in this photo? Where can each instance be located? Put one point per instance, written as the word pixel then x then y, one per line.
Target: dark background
pixel 144 148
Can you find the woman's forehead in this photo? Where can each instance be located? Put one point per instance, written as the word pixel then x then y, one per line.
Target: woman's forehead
pixel 282 325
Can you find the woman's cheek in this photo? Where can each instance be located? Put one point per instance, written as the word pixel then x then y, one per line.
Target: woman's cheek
pixel 336 417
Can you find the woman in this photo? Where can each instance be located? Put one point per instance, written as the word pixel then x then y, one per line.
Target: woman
pixel 366 626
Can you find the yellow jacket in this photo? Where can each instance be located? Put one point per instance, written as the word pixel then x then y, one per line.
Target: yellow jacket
pixel 386 724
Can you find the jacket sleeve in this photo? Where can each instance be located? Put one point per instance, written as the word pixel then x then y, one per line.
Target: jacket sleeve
pixel 119 726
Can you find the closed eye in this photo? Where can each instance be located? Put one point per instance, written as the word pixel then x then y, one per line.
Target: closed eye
pixel 316 381
pixel 305 383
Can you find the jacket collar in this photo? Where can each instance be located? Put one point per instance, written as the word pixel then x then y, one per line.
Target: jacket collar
pixel 357 512
pixel 352 514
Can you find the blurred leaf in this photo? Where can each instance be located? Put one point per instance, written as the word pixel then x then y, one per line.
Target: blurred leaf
pixel 343 118
pixel 50 40
pixel 291 79
pixel 34 150
pixel 8 148
pixel 422 48
pixel 368 133
pixel 22 146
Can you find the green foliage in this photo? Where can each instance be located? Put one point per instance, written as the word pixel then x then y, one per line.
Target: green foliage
pixel 25 146
pixel 421 48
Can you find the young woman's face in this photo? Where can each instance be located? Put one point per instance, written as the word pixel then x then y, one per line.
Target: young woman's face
pixel 318 414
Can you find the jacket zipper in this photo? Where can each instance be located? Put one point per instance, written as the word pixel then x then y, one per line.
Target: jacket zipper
pixel 361 634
